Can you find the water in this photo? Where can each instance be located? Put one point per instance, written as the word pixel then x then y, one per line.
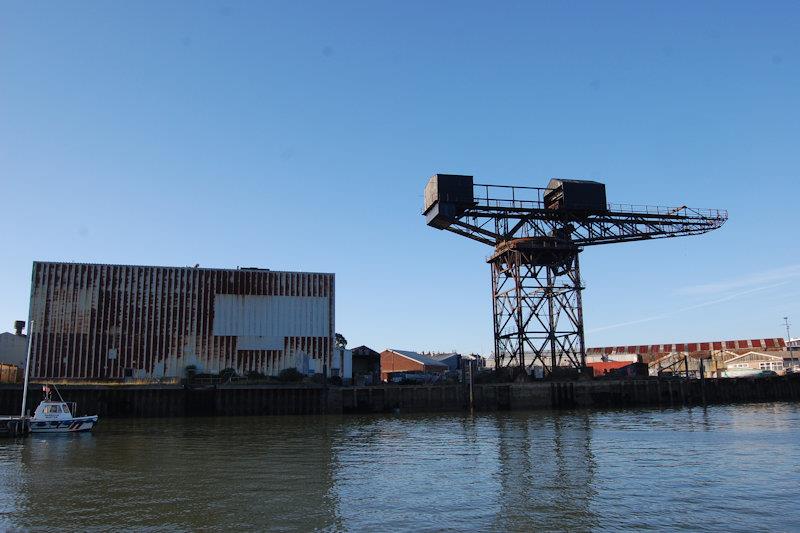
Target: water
pixel 733 468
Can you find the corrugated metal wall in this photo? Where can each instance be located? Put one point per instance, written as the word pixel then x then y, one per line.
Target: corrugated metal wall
pixel 96 321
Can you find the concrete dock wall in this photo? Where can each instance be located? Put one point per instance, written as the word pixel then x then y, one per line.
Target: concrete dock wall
pixel 172 400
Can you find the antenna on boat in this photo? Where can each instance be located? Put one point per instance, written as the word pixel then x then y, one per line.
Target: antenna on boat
pixel 59 393
pixel 27 368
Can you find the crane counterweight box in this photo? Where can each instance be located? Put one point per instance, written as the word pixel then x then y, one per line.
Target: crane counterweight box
pixel 575 195
pixel 447 196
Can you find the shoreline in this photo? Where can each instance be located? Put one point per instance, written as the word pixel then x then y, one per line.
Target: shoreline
pixel 173 400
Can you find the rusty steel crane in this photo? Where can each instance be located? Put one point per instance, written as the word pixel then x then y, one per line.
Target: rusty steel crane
pixel 537 235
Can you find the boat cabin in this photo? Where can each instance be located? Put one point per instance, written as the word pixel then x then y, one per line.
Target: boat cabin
pixel 51 410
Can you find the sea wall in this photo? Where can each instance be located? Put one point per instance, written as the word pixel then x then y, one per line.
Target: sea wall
pixel 232 400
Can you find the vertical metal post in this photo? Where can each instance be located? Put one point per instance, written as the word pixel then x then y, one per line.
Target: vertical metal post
pixel 27 369
pixel 551 319
pixel 703 381
pixel 518 296
pixel 468 374
pixel 579 306
pixel 325 388
pixel 498 359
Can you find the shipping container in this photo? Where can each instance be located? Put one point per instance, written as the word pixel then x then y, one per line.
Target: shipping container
pixel 95 321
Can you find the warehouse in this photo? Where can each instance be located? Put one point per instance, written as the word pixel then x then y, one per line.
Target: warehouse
pixel 94 321
pixel 653 352
pixel 393 360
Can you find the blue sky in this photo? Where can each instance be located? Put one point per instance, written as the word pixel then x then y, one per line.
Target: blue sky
pixel 300 135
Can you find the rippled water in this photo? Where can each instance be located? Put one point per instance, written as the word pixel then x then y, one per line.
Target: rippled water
pixel 733 468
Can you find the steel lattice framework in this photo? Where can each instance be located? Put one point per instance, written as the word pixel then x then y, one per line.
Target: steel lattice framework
pixel 536 283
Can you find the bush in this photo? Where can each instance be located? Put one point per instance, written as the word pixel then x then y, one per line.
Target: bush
pixel 191 372
pixel 255 375
pixel 226 374
pixel 290 375
pixel 335 380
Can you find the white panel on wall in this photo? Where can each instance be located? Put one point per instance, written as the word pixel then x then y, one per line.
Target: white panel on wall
pixel 271 316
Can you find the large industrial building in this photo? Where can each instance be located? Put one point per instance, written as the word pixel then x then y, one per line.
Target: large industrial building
pixel 94 321
pixel 727 358
pixel 651 352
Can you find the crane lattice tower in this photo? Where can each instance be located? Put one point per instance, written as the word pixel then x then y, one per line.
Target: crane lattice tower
pixel 537 235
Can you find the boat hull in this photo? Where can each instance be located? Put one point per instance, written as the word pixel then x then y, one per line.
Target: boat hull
pixel 71 425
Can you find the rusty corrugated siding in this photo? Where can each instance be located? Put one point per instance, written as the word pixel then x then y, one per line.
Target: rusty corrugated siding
pixel 96 321
pixel 764 344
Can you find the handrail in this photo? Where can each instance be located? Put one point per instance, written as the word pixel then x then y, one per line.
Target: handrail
pixel 522 198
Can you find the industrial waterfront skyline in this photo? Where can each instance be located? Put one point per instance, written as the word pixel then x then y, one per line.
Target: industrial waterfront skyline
pixel 299 137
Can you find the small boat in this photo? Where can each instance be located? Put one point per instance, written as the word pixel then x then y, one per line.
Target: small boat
pixel 55 416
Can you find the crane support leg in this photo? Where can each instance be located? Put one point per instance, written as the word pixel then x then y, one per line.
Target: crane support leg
pixel 536 292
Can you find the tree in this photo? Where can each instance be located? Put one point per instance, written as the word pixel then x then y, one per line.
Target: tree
pixel 340 341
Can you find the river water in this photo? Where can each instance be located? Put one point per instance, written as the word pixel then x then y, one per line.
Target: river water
pixel 732 468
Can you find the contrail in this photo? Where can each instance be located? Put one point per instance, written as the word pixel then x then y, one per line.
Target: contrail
pixel 695 306
pixel 758 278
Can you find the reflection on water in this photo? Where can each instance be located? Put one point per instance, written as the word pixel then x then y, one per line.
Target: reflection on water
pixel 731 467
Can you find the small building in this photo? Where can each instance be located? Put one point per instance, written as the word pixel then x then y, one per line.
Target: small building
pixel 756 361
pixel 13 348
pixel 603 368
pixel 366 366
pixel 614 357
pixel 681 363
pixel 480 361
pixel 393 360
pixel 791 358
pixel 342 364
pixel 456 362
pixel 452 360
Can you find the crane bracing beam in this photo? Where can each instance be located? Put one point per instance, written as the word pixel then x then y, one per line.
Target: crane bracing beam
pixel 537 235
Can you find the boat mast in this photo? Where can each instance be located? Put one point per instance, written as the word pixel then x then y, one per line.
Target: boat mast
pixel 27 369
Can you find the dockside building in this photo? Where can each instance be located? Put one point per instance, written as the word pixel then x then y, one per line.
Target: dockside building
pixel 96 321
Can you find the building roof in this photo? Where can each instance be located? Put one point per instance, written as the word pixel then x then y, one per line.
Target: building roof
pixel 758 356
pixel 773 344
pixel 414 356
pixel 184 267
pixel 364 351
pixel 443 356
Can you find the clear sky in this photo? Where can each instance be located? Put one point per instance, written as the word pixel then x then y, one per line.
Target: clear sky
pixel 299 135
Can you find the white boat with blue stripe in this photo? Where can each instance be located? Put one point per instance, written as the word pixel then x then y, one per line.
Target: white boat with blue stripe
pixel 55 416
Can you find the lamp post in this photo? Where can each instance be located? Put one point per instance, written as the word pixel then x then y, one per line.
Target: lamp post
pixel 789 340
pixel 27 368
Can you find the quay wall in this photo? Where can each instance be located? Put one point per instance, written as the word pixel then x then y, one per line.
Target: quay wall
pixel 232 400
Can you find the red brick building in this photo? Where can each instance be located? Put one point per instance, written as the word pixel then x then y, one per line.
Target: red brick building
pixel 407 361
